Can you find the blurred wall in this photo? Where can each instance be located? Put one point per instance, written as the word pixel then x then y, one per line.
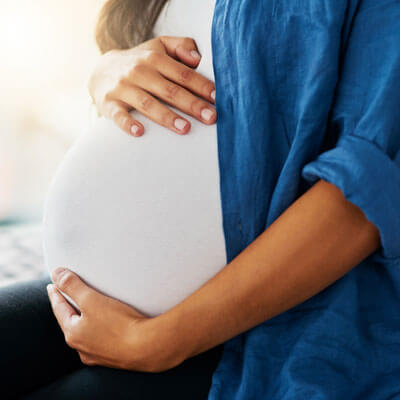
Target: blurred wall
pixel 47 54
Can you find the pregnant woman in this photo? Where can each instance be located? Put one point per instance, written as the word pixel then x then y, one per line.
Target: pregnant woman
pixel 141 220
pixel 276 236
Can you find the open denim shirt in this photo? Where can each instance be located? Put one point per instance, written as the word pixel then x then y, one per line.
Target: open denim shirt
pixel 308 90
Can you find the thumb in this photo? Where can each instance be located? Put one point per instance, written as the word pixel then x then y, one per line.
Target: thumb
pixel 84 296
pixel 183 49
pixel 71 285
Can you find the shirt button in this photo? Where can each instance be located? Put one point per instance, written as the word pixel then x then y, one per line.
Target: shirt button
pixel 240 227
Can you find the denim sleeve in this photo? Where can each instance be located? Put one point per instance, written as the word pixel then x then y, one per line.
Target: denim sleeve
pixel 365 162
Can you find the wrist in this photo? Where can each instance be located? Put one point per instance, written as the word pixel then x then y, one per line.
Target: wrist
pixel 154 344
pixel 167 332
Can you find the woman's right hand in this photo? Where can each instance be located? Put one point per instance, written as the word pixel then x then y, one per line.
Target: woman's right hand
pixel 138 78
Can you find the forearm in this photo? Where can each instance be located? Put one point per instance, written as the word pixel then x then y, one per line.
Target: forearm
pixel 312 244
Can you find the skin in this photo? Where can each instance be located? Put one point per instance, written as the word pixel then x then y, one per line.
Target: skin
pixel 316 241
pixel 147 78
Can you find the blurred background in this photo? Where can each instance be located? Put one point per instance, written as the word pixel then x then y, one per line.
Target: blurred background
pixel 47 54
pixel 48 51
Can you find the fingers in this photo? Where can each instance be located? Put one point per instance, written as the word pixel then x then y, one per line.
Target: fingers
pixel 70 284
pixel 156 70
pixel 186 77
pixel 119 113
pixel 62 310
pixel 177 96
pixel 183 49
pixel 146 104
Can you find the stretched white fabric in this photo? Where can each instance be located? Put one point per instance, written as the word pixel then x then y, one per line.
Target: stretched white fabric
pixel 140 218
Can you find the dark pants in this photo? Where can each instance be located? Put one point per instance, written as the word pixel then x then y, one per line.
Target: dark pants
pixel 36 363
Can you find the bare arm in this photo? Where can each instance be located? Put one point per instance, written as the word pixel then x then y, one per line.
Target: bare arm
pixel 312 244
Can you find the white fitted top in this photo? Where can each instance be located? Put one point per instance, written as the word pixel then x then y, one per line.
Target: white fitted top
pixel 140 218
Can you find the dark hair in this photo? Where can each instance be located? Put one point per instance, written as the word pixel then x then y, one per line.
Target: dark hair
pixel 123 24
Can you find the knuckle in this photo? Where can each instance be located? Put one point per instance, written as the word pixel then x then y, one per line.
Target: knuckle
pixel 196 106
pixel 186 75
pixel 152 57
pixel 136 70
pixel 66 280
pixel 207 88
pixel 145 103
pixel 117 114
pixel 167 118
pixel 172 91
pixel 125 124
pixel 121 119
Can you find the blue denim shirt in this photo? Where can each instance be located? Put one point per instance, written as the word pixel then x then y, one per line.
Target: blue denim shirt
pixel 309 90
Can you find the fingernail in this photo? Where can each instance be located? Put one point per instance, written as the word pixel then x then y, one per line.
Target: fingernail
pixel 180 124
pixel 49 287
pixel 135 130
pixel 213 94
pixel 207 114
pixel 55 275
pixel 195 54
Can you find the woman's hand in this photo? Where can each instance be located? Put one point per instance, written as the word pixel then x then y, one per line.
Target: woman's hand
pixel 136 78
pixel 106 331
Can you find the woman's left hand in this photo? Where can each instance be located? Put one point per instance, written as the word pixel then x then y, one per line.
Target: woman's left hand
pixel 106 331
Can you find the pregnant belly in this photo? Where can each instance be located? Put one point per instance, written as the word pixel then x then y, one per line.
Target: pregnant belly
pixel 138 218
